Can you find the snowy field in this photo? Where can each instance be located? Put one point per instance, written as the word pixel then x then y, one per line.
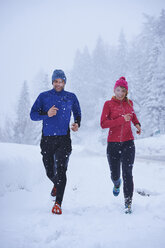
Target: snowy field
pixel 92 217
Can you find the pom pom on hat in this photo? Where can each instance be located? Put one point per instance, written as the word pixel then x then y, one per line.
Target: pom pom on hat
pixel 121 82
pixel 123 78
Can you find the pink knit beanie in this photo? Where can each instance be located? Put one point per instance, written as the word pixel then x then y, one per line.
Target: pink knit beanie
pixel 122 83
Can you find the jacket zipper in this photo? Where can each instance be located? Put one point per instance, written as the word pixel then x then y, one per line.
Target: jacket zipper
pixel 121 133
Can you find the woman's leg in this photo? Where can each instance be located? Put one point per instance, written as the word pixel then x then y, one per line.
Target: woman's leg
pixel 128 156
pixel 114 158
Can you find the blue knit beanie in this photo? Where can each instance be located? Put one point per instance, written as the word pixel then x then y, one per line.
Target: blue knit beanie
pixel 58 74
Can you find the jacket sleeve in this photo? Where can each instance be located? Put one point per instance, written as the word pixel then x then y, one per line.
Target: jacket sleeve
pixel 105 122
pixel 134 118
pixel 36 113
pixel 76 111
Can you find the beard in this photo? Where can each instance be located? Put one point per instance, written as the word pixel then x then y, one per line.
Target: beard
pixel 58 88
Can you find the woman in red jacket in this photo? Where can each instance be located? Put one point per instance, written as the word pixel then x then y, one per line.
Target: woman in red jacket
pixel 117 115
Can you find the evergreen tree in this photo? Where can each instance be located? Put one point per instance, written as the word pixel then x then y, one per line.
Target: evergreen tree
pixel 1 135
pixel 23 128
pixel 101 69
pixel 41 83
pixel 82 84
pixel 153 69
pixel 158 102
pixel 8 131
pixel 122 56
pixel 141 62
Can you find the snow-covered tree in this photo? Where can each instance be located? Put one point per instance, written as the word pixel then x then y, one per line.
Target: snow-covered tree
pixel 153 75
pixel 122 56
pixel 23 128
pixel 141 62
pixel 40 83
pixel 82 84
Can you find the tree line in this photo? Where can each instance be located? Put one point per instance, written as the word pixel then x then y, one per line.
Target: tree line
pixel 92 79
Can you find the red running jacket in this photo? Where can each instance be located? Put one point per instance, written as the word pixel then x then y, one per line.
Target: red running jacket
pixel 112 118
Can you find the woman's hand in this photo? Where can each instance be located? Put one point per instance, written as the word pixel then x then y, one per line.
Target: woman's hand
pixel 127 117
pixel 138 129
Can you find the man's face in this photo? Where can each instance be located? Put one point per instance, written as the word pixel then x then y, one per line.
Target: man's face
pixel 58 84
pixel 120 93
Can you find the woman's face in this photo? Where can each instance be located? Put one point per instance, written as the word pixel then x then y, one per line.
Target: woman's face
pixel 120 93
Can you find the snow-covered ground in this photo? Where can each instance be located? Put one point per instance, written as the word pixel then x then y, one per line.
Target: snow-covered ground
pixel 92 217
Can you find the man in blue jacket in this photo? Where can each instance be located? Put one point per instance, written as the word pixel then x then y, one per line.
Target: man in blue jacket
pixel 54 108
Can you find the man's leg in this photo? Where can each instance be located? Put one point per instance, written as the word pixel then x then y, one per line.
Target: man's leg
pixel 48 158
pixel 62 158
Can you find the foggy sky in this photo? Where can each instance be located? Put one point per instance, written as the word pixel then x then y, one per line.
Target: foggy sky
pixel 45 34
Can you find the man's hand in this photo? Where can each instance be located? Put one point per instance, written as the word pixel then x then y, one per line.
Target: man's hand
pixel 74 127
pixel 138 129
pixel 127 117
pixel 52 111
